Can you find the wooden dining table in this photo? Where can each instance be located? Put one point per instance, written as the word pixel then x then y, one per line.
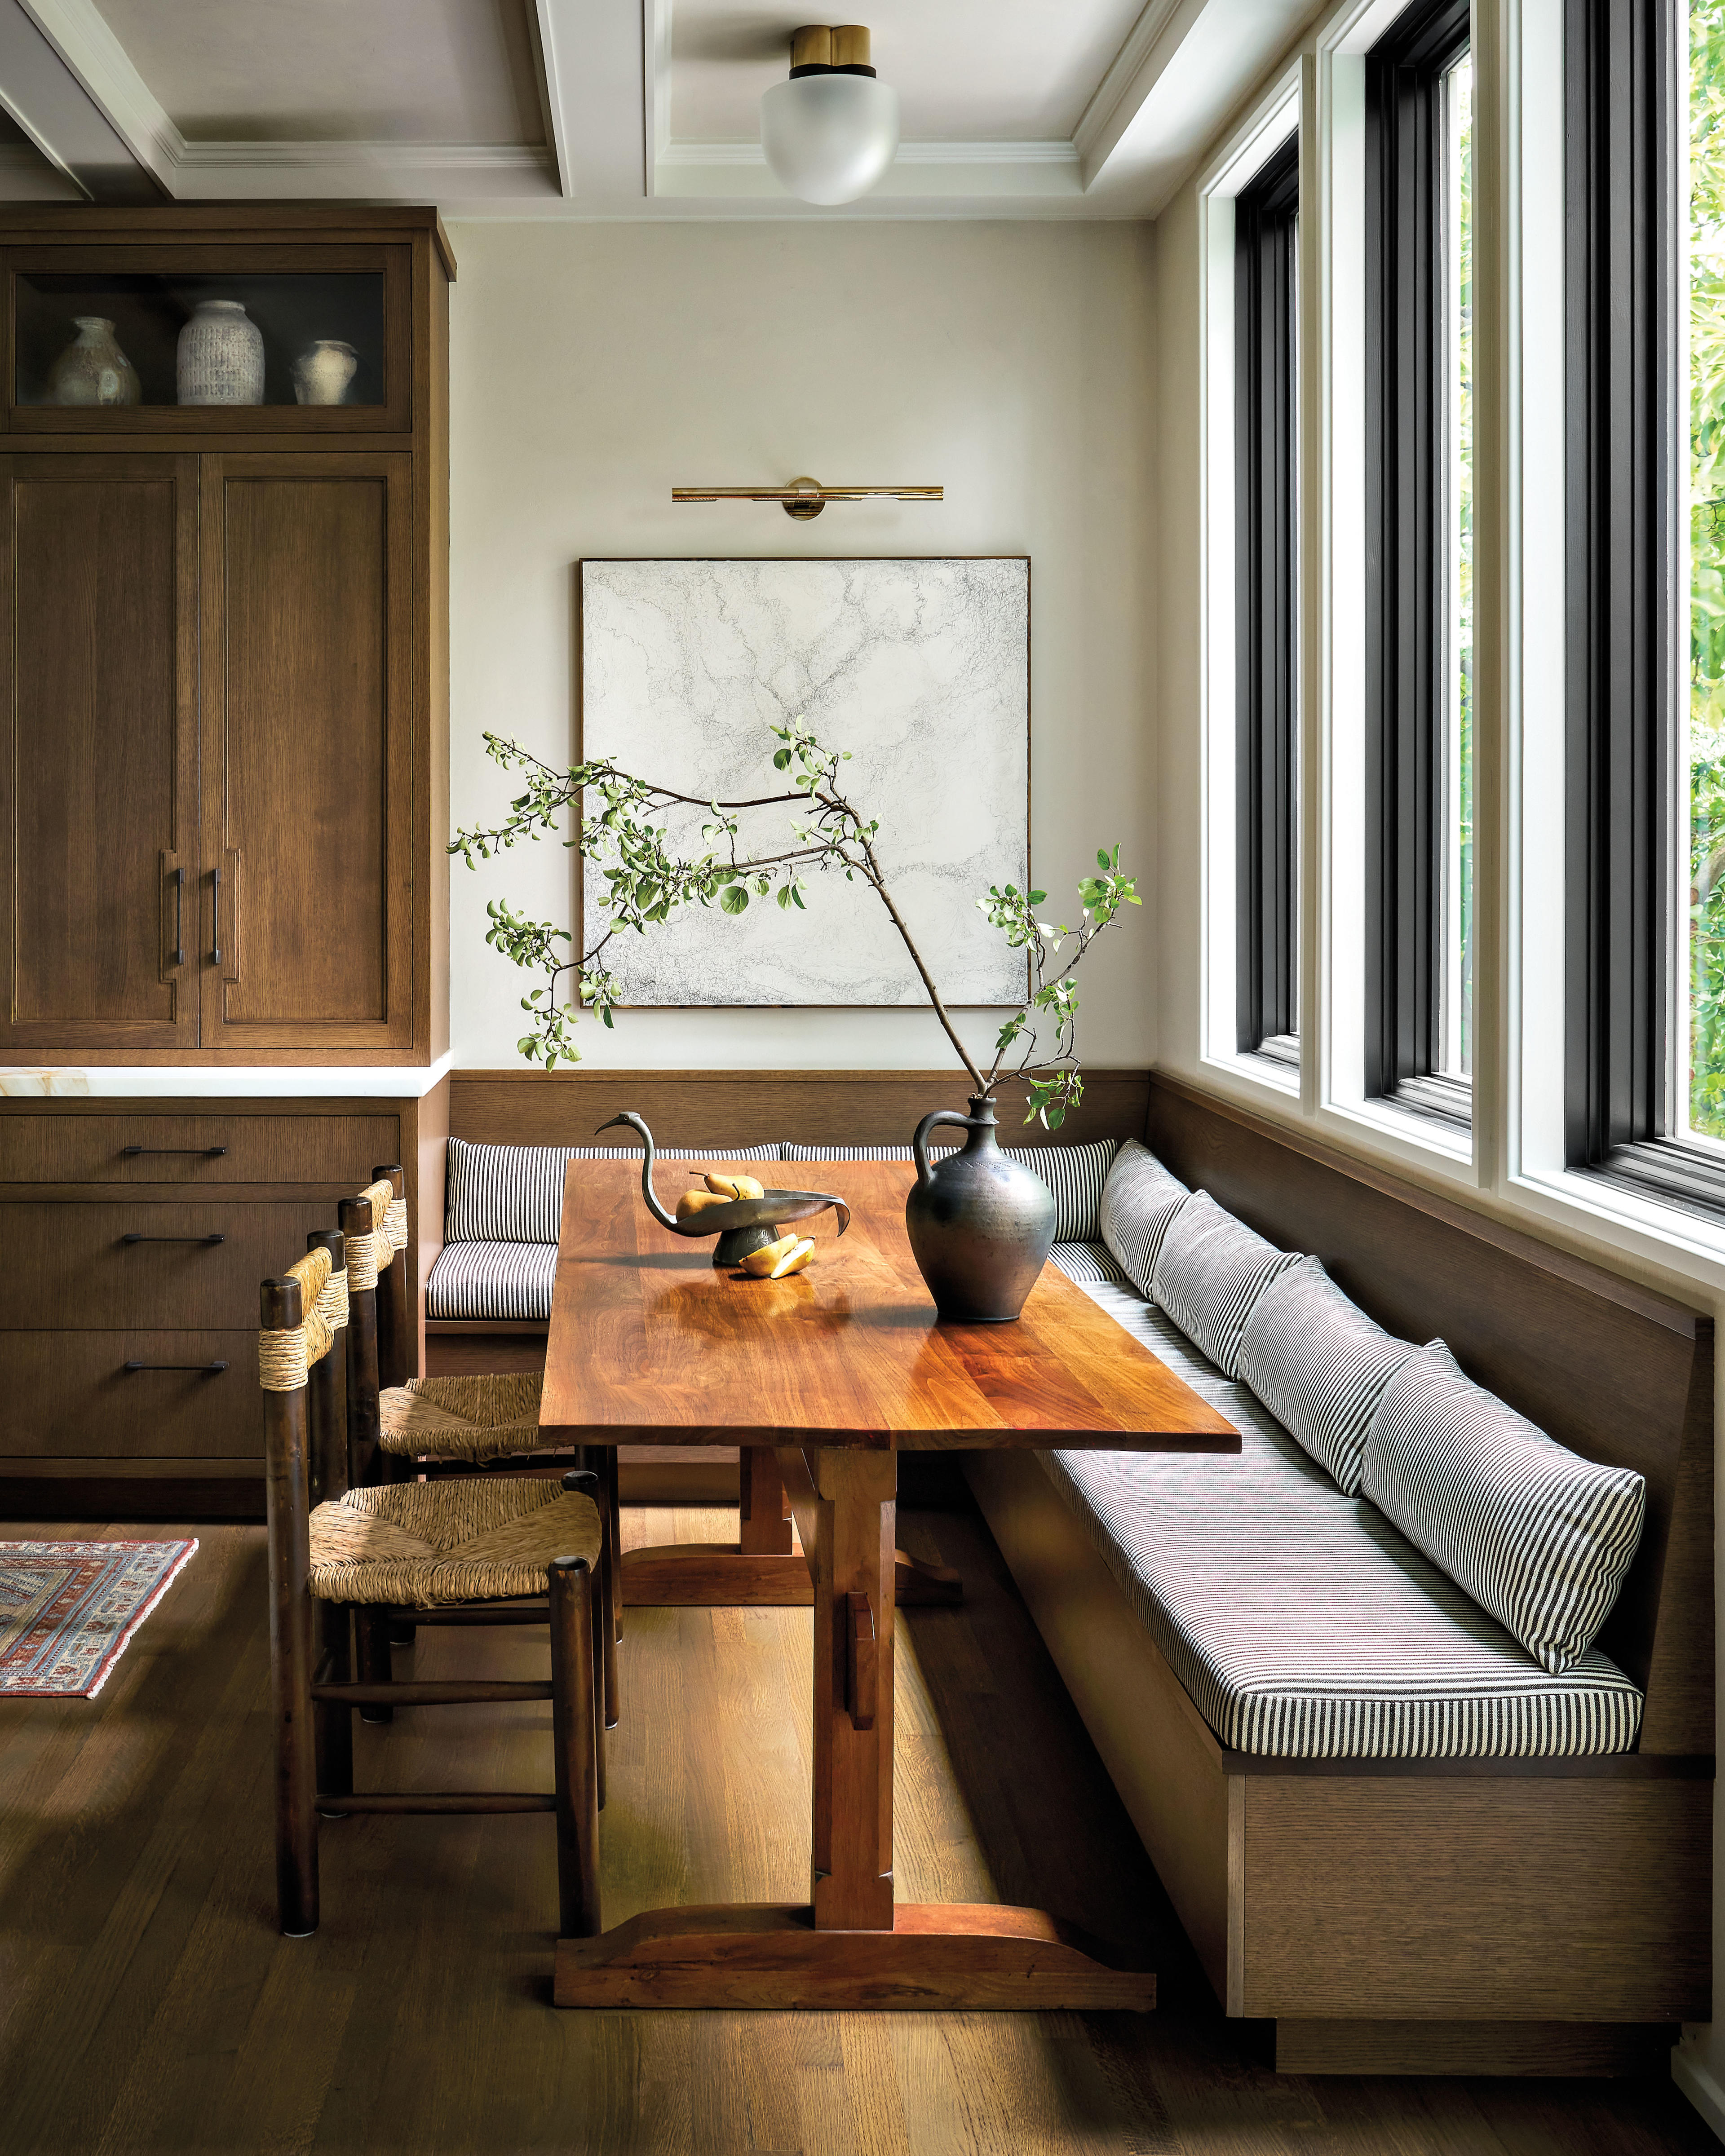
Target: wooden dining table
pixel 831 1373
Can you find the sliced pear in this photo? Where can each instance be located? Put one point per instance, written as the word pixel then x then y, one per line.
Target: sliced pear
pixel 794 1260
pixel 697 1201
pixel 760 1263
pixel 735 1186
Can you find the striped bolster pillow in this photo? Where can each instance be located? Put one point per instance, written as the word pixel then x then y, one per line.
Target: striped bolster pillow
pixel 1539 1536
pixel 1139 1199
pixel 1320 1365
pixel 1210 1275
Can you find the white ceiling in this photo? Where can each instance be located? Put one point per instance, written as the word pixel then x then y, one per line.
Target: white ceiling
pixel 613 108
pixel 329 70
pixel 966 70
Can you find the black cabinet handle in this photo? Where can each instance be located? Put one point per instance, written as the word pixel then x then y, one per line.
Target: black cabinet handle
pixel 136 1237
pixel 215 916
pixel 208 1152
pixel 203 1369
pixel 179 916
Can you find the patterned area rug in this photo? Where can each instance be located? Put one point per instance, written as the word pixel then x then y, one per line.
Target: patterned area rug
pixel 68 1610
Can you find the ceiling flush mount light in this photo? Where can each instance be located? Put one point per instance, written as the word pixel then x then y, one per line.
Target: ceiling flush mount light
pixel 832 130
pixel 803 498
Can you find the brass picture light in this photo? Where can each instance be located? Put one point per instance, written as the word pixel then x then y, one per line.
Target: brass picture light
pixel 803 498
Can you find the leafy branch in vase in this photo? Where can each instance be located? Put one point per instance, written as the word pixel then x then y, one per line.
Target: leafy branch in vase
pixel 647 879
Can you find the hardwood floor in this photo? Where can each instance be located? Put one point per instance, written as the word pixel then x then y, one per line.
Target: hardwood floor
pixel 146 2003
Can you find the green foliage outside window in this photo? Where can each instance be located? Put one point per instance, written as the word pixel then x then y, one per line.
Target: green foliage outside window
pixel 1707 600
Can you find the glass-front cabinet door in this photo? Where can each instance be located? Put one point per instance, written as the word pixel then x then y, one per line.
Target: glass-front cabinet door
pixel 201 339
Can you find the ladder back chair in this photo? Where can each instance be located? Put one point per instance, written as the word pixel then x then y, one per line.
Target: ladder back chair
pixel 470 1551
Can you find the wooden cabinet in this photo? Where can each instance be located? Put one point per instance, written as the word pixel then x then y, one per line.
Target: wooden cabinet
pixel 138 1232
pixel 224 730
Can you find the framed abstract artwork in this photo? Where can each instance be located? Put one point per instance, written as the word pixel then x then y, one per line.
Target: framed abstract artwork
pixel 919 667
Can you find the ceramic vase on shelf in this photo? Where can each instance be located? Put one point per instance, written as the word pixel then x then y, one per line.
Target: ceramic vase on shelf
pixel 979 1225
pixel 93 369
pixel 323 371
pixel 220 359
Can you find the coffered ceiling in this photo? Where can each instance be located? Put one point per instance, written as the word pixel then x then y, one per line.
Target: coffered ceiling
pixel 612 108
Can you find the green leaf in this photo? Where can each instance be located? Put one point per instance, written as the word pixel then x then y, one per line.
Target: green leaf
pixel 781 759
pixel 1101 858
pixel 734 898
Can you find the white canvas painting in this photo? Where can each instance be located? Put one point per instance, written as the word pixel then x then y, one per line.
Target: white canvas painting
pixel 919 667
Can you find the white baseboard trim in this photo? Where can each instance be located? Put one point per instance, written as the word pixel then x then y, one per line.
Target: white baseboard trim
pixel 1700 2088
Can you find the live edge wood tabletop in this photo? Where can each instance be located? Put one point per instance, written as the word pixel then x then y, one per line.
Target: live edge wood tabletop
pixel 831 1374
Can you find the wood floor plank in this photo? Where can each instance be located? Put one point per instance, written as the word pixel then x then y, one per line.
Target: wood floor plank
pixel 146 2003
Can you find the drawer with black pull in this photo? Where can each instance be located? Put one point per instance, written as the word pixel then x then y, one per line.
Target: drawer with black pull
pixel 198 1152
pixel 77 1265
pixel 132 1394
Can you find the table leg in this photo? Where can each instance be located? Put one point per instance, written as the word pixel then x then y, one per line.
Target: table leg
pixel 761 1569
pixel 849 1947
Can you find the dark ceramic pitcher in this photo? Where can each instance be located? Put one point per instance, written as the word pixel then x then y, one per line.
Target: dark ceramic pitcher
pixel 979 1225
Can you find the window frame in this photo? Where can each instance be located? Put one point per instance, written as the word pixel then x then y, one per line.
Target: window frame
pixel 1627 421
pixel 1266 481
pixel 1407 610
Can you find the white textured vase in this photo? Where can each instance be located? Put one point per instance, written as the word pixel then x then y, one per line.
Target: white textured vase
pixel 93 369
pixel 323 371
pixel 220 357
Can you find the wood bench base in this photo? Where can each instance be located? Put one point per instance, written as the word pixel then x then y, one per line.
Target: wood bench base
pixel 1475 2047
pixel 972 1956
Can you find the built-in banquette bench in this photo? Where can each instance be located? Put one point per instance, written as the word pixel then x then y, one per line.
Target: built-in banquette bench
pixel 1247 1645
pixel 1389 1831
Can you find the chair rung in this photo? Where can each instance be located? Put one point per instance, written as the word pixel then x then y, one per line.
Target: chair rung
pixel 426 1693
pixel 436 1800
pixel 472 1613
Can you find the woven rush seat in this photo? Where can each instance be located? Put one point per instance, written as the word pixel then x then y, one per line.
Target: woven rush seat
pixel 1300 1622
pixel 479 1419
pixel 422 1545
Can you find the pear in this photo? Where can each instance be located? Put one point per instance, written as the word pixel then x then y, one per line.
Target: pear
pixel 735 1186
pixel 760 1263
pixel 794 1260
pixel 697 1201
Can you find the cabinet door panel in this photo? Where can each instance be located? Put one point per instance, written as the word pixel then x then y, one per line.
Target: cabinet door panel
pixel 98 752
pixel 308 891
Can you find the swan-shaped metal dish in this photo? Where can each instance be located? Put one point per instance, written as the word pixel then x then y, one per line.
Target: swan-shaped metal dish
pixel 745 1223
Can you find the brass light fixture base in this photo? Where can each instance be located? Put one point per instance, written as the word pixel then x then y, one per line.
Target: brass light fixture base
pixel 803 510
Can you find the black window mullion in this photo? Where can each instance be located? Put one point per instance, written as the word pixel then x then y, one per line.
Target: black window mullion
pixel 1623 690
pixel 1266 540
pixel 1405 540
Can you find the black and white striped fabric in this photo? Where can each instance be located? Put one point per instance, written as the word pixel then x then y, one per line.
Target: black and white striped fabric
pixel 502 1194
pixel 1320 1365
pixel 1085 1262
pixel 1075 1175
pixel 1301 1623
pixel 1210 1272
pixel 492 1280
pixel 1535 1533
pixel 1139 1199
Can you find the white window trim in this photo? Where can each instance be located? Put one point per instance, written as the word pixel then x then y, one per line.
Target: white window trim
pixel 1275 117
pixel 1333 272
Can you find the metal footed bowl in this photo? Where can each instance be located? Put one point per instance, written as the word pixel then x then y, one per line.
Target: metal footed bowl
pixel 745 1223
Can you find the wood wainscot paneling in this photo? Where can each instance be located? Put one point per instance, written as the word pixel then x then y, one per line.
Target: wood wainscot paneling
pixel 728 1108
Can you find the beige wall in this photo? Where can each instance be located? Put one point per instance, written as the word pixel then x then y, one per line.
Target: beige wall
pixel 594 366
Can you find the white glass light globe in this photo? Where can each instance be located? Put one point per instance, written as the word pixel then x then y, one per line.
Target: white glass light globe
pixel 829 137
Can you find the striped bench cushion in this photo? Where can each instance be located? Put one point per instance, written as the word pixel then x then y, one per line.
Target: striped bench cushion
pixel 476 1280
pixel 1075 1175
pixel 504 1194
pixel 1302 1625
pixel 480 1279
